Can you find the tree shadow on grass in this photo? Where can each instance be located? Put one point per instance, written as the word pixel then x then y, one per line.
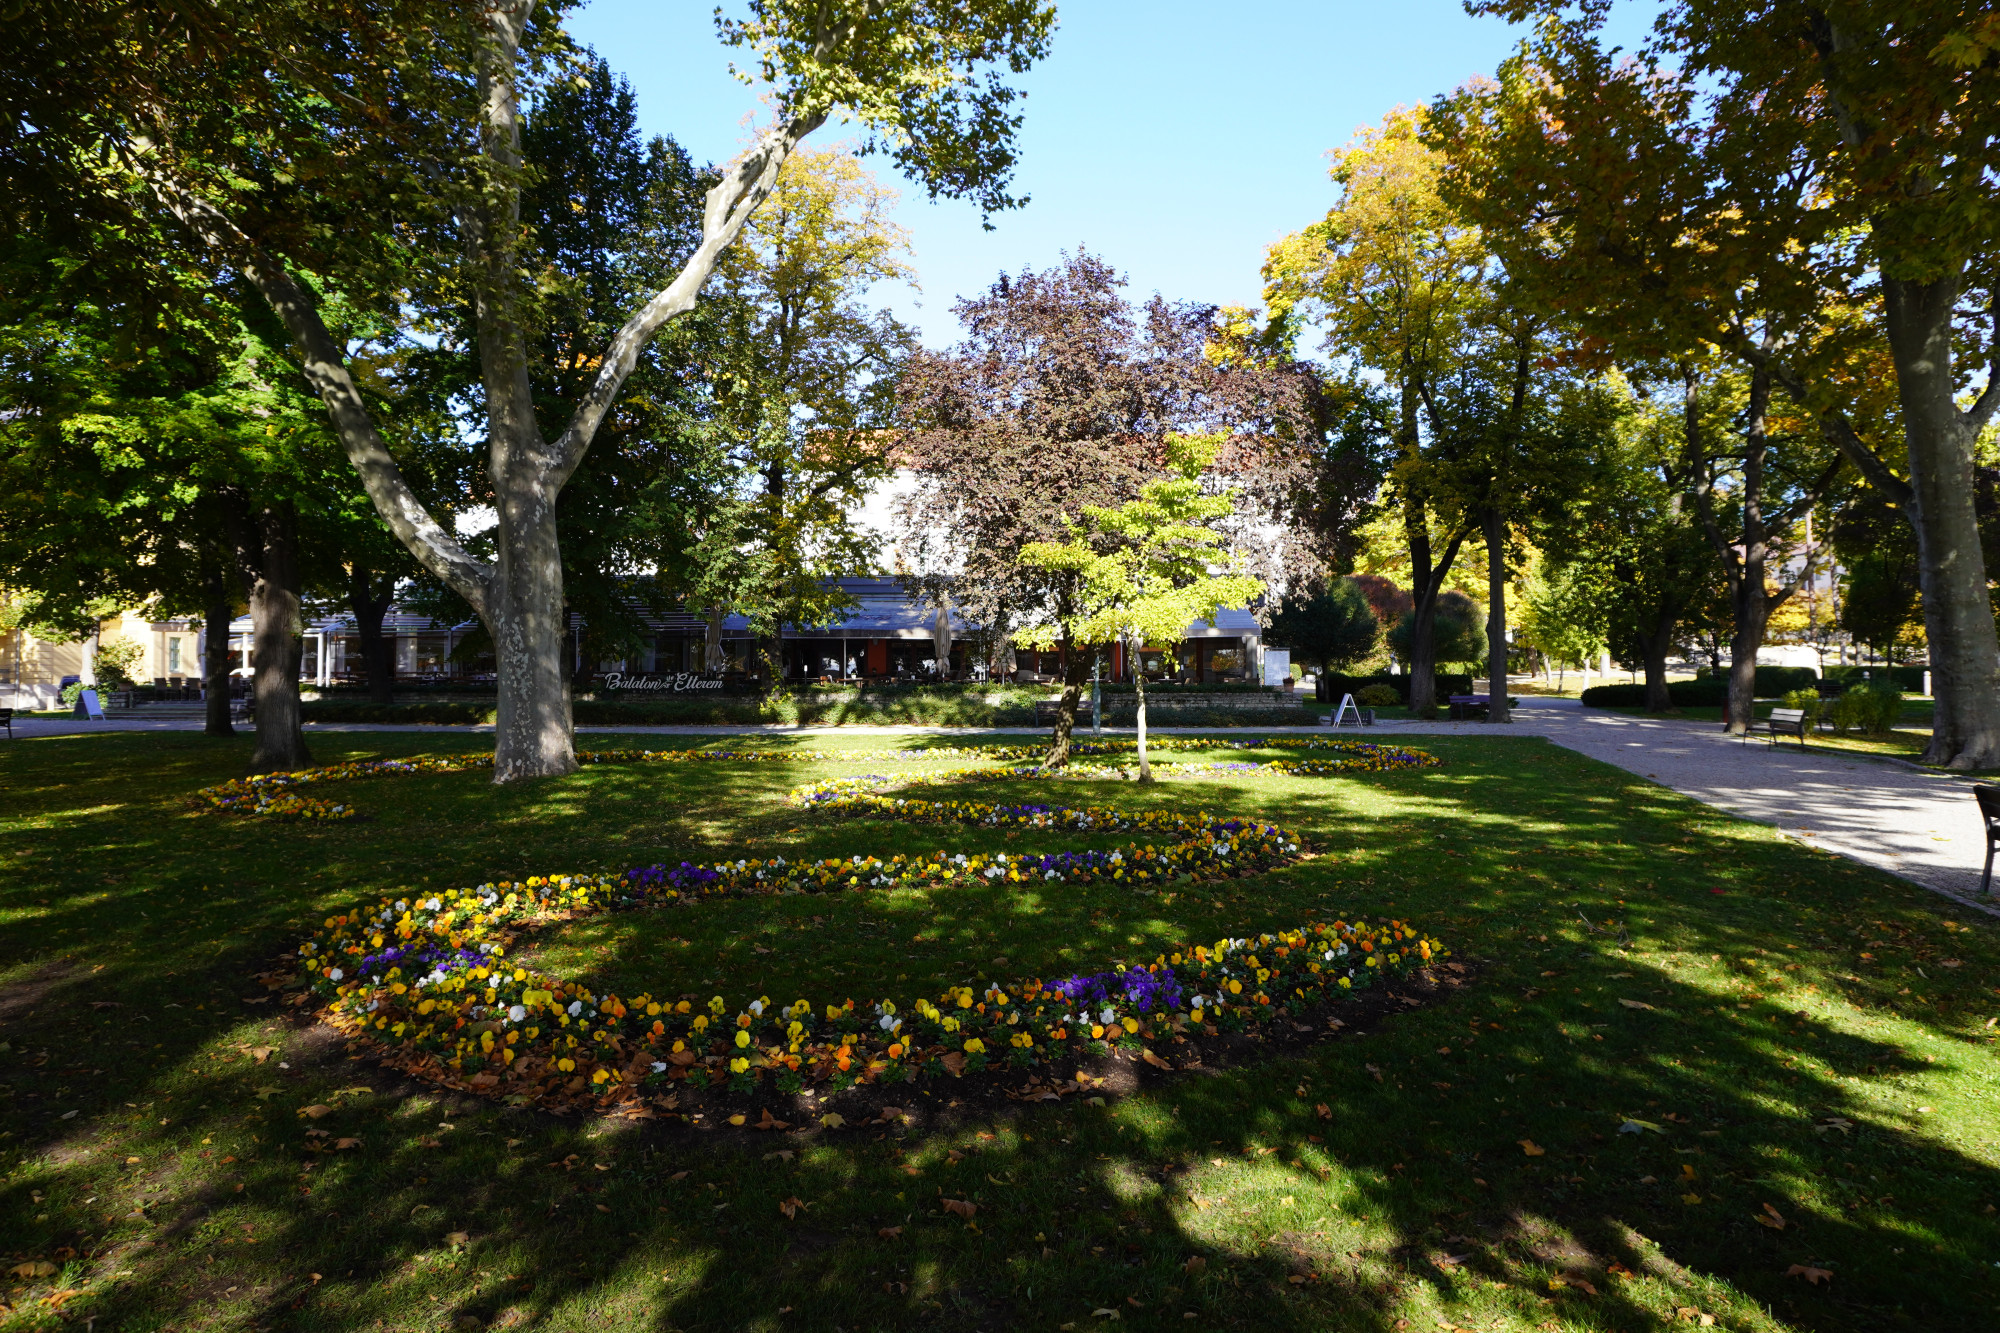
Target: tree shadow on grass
pixel 1079 1208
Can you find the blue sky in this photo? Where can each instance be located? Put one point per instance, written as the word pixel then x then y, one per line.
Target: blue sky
pixel 1175 139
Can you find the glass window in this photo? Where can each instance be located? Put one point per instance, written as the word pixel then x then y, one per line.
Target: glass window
pixel 174 656
pixel 1226 661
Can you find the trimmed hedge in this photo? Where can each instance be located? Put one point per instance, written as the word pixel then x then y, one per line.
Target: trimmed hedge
pixel 439 714
pixel 1708 692
pixel 1333 685
pixel 1909 679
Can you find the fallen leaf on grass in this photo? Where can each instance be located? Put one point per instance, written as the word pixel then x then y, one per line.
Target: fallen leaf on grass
pixel 964 1208
pixel 33 1268
pixel 346 1143
pixel 782 1154
pixel 457 1239
pixel 1810 1274
pixel 790 1207
pixel 1373 1070
pixel 833 1120
pixel 1530 1148
pixel 678 1175
pixel 1195 1264
pixel 1323 1112
pixel 1105 1312
pixel 315 1111
pixel 1833 1122
pixel 1570 1280
pixel 1771 1218
pixel 261 1053
pixel 888 1233
pixel 1635 1004
pixel 768 1123
pixel 1639 1127
pixel 264 1094
pixel 1450 1260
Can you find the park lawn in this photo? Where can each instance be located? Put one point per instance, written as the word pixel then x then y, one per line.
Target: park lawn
pixel 1678 1019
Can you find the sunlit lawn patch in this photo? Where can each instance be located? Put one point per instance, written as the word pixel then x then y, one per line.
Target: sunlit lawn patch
pixel 1682 1058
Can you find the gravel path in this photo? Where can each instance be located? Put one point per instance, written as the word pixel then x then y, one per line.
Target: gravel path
pixel 1913 823
pixel 1921 826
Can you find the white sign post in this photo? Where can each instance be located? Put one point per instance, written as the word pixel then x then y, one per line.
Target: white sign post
pixel 87 706
pixel 1346 707
pixel 1277 666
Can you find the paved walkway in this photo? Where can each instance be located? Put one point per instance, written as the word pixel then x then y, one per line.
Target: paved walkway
pixel 1919 825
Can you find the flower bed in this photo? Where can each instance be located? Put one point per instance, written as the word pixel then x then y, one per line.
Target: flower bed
pixel 276 794
pixel 427 981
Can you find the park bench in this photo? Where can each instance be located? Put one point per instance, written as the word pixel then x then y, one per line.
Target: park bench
pixel 1782 722
pixel 1472 707
pixel 1988 797
pixel 7 720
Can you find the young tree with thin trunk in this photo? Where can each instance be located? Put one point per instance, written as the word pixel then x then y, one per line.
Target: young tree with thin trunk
pixel 381 113
pixel 1060 397
pixel 1146 569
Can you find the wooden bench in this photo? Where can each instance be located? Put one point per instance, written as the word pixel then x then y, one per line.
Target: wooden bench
pixel 1782 722
pixel 1472 707
pixel 7 720
pixel 1988 797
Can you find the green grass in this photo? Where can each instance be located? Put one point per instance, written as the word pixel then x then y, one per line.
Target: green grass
pixel 186 1190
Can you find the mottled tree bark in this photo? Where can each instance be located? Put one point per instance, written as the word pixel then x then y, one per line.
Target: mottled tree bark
pixel 267 554
pixel 1958 617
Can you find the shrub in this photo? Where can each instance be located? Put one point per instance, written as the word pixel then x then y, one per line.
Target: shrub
pixel 439 714
pixel 1707 692
pixel 1874 711
pixel 1378 696
pixel 115 661
pixel 1808 701
pixel 1909 679
pixel 1775 681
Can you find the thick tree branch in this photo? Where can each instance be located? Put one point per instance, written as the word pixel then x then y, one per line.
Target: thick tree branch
pixel 730 203
pixel 326 369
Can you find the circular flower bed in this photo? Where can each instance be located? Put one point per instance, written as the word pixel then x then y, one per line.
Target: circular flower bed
pixel 427 982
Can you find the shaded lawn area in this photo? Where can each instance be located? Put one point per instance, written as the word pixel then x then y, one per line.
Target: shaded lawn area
pixel 1812 1037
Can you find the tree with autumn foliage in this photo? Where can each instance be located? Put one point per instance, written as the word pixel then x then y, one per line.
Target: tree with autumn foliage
pixel 1061 396
pixel 1826 167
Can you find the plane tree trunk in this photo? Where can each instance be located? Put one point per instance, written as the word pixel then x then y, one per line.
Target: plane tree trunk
pixel 267 555
pixel 1958 615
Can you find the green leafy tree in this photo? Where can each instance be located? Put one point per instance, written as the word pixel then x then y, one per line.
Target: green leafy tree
pixel 805 372
pixel 385 152
pixel 1146 570
pixel 1332 626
